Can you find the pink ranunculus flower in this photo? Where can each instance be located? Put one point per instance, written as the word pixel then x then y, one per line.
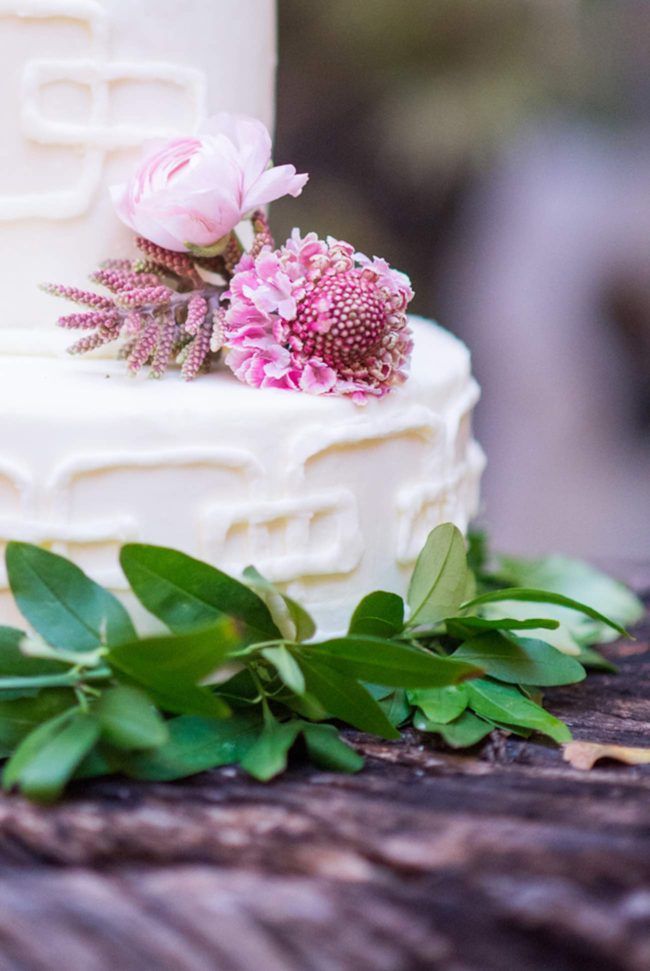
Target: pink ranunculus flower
pixel 193 191
pixel 315 316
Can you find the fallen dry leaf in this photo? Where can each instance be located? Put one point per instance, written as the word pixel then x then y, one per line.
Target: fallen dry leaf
pixel 584 755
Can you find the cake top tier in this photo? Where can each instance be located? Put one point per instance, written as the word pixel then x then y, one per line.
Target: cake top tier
pixel 87 83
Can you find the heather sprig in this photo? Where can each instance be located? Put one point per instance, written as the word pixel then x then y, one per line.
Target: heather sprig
pixel 165 307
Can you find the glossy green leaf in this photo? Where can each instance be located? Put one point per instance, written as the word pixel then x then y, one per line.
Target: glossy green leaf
pixel 506 704
pixel 267 757
pixel 388 662
pixel 439 582
pixel 441 705
pixel 195 745
pixel 67 608
pixel 18 717
pixel 396 707
pixel 345 698
pixel 594 659
pixel 239 690
pixel 292 620
pixel 463 628
pixel 171 660
pixel 185 593
pixel 47 759
pixel 543 596
pixel 13 663
pixel 465 731
pixel 380 614
pixel 286 666
pixel 328 750
pixel 581 582
pixel 521 660
pixel 128 719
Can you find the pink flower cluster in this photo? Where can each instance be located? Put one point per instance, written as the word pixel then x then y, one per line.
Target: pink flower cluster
pixel 315 316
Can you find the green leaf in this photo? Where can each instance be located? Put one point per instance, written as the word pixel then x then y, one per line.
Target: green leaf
pixel 169 667
pixel 187 699
pixel 128 719
pixel 440 705
pixel 396 707
pixel 478 552
pixel 392 663
pixel 67 608
pixel 195 745
pixel 238 690
pixel 439 580
pixel 512 729
pixel 94 765
pixel 577 580
pixel 306 706
pixel 287 667
pixel 328 750
pixel 596 660
pixel 13 663
pixel 380 614
pixel 465 627
pixel 268 756
pixel 464 732
pixel 18 717
pixel 521 660
pixel 506 704
pixel 289 617
pixel 185 593
pixel 345 698
pixel 543 596
pixel 46 759
pixel 171 660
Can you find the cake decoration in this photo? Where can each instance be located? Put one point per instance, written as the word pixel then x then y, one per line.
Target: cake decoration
pixel 312 315
pixel 190 193
pixel 242 674
pixel 318 317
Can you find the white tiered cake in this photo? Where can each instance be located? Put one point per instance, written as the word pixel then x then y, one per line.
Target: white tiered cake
pixel 327 497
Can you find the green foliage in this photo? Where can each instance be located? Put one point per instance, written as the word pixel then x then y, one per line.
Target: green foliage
pixel 380 614
pixel 508 706
pixel 185 593
pixel 241 679
pixel 520 660
pixel 439 582
pixel 392 663
pixel 60 602
pixel 292 620
pixel 466 730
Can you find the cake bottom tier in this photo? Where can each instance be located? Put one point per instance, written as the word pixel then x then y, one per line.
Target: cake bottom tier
pixel 327 498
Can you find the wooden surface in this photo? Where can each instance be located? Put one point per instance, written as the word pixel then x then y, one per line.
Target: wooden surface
pixel 505 859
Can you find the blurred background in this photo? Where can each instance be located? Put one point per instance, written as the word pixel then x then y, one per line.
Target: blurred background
pixel 499 152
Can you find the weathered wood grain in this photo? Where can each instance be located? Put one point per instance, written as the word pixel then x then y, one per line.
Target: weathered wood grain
pixel 505 858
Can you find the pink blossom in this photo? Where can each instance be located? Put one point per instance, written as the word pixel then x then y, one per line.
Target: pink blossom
pixel 317 317
pixel 193 191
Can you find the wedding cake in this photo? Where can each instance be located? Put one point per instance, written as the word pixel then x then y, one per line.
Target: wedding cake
pixel 327 496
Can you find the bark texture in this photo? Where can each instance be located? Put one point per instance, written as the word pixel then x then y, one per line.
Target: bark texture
pixel 502 858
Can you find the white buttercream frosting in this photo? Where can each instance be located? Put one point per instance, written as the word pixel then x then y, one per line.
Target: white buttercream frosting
pixel 86 83
pixel 327 497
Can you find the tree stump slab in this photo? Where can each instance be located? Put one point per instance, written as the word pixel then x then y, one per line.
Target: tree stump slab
pixel 501 858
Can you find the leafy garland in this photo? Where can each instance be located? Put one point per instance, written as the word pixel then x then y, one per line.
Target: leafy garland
pixel 240 678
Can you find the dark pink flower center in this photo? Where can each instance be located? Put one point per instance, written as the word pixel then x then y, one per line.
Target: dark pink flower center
pixel 341 320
